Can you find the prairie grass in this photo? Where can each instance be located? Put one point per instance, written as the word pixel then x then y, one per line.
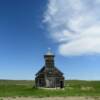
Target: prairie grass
pixel 11 88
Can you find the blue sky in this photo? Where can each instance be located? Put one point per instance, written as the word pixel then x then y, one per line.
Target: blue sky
pixel 29 27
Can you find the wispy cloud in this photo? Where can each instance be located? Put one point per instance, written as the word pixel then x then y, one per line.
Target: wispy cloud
pixel 75 25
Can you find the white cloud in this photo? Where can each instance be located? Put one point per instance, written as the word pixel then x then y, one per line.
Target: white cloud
pixel 80 46
pixel 75 25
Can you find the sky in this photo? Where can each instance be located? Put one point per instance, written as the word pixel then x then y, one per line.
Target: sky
pixel 69 27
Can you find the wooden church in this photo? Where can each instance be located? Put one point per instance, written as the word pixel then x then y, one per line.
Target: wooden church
pixel 49 76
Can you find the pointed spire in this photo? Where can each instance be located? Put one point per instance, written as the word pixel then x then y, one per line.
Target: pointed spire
pixel 49 52
pixel 49 49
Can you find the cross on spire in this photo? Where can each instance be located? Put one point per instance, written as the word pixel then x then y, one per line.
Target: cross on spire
pixel 49 52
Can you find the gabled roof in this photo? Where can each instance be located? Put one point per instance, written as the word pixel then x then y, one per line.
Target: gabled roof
pixel 58 70
pixel 43 70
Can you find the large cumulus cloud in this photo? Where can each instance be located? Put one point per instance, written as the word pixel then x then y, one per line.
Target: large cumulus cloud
pixel 75 25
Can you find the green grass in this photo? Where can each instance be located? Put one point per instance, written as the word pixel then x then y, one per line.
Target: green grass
pixel 72 88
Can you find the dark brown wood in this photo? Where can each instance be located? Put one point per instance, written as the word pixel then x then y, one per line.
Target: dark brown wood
pixel 49 76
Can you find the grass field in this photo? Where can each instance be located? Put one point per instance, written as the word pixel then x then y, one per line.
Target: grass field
pixel 9 88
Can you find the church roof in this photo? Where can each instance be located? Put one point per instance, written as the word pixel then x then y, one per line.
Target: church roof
pixel 42 70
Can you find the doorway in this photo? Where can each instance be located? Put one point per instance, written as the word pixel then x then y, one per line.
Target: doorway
pixel 61 84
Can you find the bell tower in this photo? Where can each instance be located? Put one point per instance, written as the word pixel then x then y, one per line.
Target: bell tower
pixel 49 59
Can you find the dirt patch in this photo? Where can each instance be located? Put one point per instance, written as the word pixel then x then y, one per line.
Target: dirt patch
pixel 51 98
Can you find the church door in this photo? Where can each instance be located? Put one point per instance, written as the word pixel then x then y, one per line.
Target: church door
pixel 61 84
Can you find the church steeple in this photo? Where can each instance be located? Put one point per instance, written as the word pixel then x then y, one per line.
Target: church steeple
pixel 49 58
